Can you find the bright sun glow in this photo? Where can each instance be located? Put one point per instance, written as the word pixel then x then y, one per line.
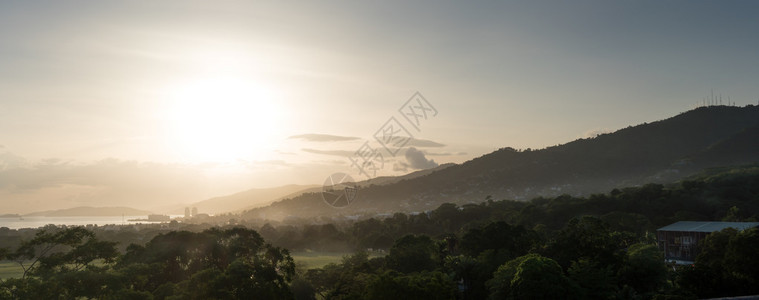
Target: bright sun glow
pixel 221 120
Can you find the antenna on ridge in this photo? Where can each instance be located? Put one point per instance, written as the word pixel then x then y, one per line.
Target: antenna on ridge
pixel 711 101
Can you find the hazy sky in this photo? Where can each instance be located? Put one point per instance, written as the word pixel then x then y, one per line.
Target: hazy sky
pixel 147 103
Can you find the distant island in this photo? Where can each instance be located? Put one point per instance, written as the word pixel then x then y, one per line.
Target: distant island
pixel 86 211
pixel 10 216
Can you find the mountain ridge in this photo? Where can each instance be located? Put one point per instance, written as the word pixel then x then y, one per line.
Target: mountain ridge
pixel 89 211
pixel 659 151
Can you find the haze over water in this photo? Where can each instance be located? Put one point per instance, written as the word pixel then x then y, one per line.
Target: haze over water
pixel 36 222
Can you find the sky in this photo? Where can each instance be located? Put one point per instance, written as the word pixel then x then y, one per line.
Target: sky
pixel 152 103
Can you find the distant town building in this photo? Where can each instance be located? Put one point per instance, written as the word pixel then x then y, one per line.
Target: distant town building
pixel 186 212
pixel 194 211
pixel 679 241
pixel 158 218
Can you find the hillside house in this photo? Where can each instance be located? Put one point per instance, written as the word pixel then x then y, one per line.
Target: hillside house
pixel 679 241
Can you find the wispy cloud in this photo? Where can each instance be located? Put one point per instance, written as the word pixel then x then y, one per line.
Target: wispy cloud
pixel 424 143
pixel 330 162
pixel 257 164
pixel 284 152
pixel 54 183
pixel 342 153
pixel 428 153
pixel 315 137
pixel 9 160
pixel 36 185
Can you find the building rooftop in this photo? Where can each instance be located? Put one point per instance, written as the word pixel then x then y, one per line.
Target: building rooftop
pixel 707 226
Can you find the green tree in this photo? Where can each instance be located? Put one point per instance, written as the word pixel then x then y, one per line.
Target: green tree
pixel 302 289
pixel 589 238
pixel 63 250
pixel 725 266
pixel 532 277
pixel 61 263
pixel 471 275
pixel 232 263
pixel 513 241
pixel 425 285
pixel 643 269
pixel 733 215
pixel 414 253
pixel 595 280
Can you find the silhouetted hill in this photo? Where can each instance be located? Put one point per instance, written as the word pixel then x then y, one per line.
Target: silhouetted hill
pixel 660 151
pixel 738 148
pixel 86 211
pixel 254 198
pixel 249 199
pixel 383 180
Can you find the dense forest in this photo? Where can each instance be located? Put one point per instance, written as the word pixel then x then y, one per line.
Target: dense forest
pixel 596 247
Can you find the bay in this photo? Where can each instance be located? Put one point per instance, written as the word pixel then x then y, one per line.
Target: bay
pixel 36 222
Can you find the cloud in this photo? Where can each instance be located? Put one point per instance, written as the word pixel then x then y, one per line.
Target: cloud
pixel 9 160
pixel 315 137
pixel 342 153
pixel 330 162
pixel 415 160
pixel 107 172
pixel 423 143
pixel 428 153
pixel 284 152
pixel 256 164
pixel 28 186
pixel 55 184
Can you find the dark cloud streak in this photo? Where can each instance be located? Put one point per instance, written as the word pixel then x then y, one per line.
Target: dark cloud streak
pixel 424 143
pixel 315 137
pixel 341 153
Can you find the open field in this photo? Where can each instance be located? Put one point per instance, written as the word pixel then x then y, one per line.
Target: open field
pixel 9 269
pixel 315 260
pixel 312 260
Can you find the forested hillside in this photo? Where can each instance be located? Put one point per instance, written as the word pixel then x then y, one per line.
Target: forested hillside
pixel 658 152
pixel 600 246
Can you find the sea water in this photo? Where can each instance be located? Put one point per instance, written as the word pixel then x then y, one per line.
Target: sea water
pixel 36 222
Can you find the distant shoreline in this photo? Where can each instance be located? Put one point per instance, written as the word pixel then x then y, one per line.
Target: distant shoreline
pixel 34 222
pixel 146 220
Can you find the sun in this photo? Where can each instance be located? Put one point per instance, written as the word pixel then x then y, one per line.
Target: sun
pixel 221 120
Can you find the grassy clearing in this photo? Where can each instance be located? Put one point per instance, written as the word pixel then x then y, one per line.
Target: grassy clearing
pixel 314 260
pixel 9 269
